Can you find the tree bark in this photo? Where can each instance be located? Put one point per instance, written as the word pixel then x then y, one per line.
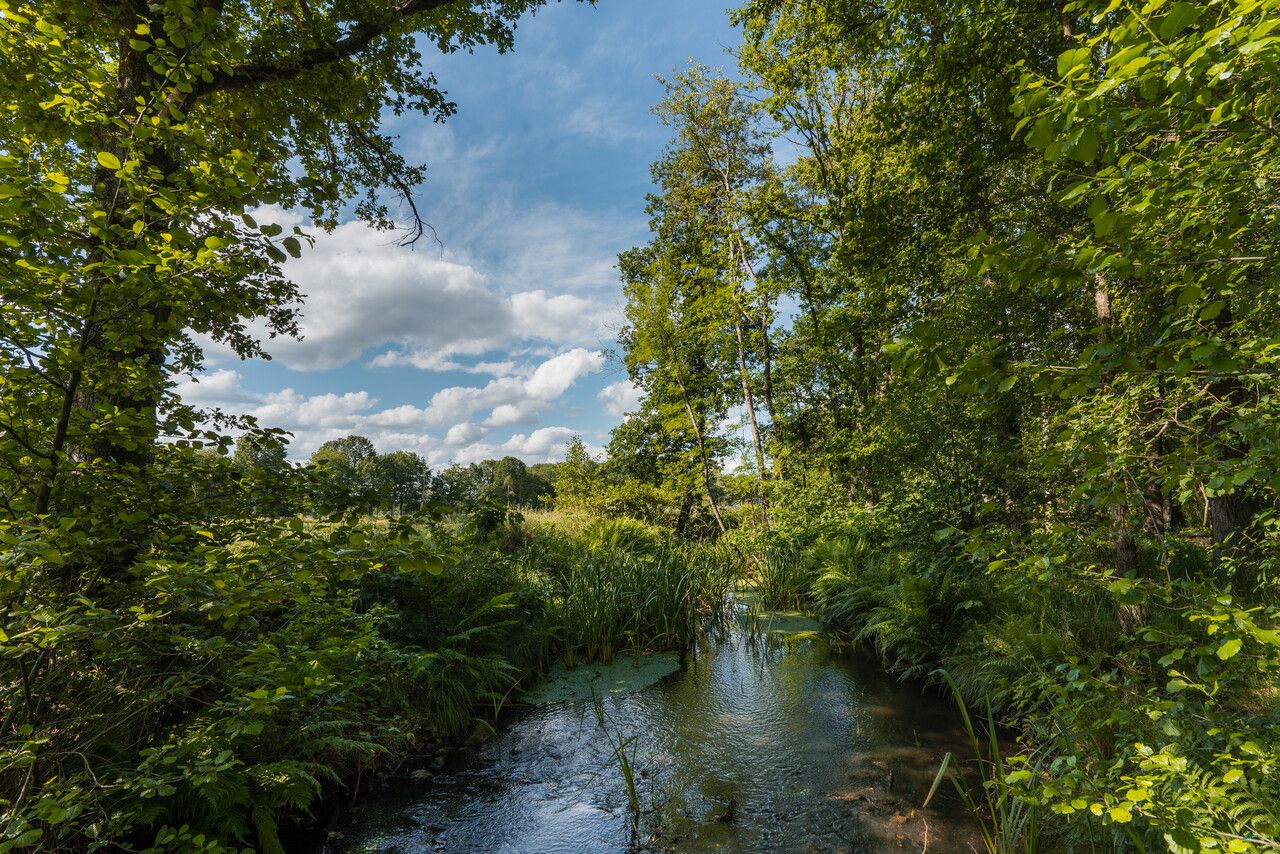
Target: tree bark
pixel 1231 514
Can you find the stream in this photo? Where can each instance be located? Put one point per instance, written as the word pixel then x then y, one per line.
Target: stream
pixel 770 737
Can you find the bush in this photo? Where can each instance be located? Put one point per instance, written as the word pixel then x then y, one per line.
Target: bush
pixel 235 672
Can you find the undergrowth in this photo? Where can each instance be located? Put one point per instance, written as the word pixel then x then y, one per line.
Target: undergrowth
pixel 246 668
pixel 1149 703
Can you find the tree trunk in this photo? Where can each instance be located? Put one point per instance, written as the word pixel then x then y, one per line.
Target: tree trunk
pixel 749 402
pixel 1125 548
pixel 1230 515
pixel 767 354
pixel 702 454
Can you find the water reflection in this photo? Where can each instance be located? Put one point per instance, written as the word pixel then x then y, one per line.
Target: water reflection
pixel 765 741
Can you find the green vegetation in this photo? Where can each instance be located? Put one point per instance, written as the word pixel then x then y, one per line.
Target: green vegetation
pixel 247 666
pixel 1000 330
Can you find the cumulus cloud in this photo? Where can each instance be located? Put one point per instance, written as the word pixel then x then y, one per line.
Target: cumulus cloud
pixel 544 445
pixel 363 293
pixel 621 398
pixel 218 388
pixel 553 377
pixel 444 428
pixel 563 317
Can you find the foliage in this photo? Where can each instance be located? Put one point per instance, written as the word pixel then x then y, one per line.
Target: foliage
pixel 349 473
pixel 507 481
pixel 1008 824
pixel 620 585
pixel 186 664
pixel 1022 420
pixel 236 672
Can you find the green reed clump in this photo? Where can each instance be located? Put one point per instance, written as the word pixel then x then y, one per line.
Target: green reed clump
pixel 783 577
pixel 1008 824
pixel 620 586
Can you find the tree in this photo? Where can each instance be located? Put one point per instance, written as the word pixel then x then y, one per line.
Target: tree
pixel 579 484
pixel 260 452
pixel 510 481
pixel 717 157
pixel 262 458
pixel 139 143
pixel 171 656
pixel 402 479
pixel 344 471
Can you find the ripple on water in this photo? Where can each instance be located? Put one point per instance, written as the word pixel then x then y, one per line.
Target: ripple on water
pixel 764 745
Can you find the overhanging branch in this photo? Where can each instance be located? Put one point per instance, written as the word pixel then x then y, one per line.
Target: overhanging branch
pixel 358 38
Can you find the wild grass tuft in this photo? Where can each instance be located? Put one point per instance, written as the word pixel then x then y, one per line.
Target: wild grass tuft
pixel 623 587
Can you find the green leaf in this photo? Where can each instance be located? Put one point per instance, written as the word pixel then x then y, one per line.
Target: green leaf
pixel 1212 310
pixel 1042 133
pixel 1085 148
pixel 1069 59
pixel 1178 18
pixel 107 160
pixel 937 780
pixel 1228 649
pixel 293 247
pixel 431 565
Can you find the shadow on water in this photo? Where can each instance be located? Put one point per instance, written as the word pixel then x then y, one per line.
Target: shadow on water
pixel 769 738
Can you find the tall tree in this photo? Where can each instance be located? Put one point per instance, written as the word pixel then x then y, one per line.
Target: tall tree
pixel 140 143
pixel 401 479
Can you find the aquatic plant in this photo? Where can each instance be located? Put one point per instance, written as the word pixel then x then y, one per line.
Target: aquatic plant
pixel 624 754
pixel 783 577
pixel 618 586
pixel 1007 823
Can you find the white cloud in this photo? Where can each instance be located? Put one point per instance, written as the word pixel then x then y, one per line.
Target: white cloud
pixel 553 377
pixel 621 398
pixel 462 434
pixel 544 445
pixel 440 361
pixel 363 292
pixel 563 317
pixel 316 419
pixel 219 388
pixel 504 415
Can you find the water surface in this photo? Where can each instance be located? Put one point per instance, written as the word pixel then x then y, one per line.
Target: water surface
pixel 764 741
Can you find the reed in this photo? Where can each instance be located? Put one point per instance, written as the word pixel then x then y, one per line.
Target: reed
pixel 1007 823
pixel 626 589
pixel 783 578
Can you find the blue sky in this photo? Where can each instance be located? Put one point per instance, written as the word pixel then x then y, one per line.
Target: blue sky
pixel 500 342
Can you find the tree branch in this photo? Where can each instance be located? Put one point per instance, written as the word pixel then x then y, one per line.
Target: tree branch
pixel 356 40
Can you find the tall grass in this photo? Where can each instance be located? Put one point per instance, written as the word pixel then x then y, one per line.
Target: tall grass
pixel 1007 823
pixel 618 585
pixel 783 577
